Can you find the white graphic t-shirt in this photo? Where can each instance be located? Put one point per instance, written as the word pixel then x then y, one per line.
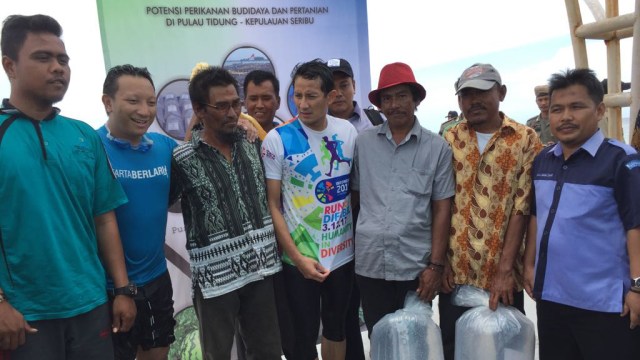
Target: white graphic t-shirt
pixel 314 168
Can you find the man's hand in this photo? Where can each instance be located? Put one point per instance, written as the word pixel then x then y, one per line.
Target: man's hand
pixel 502 289
pixel 124 313
pixel 447 285
pixel 13 327
pixel 429 283
pixel 529 276
pixel 251 132
pixel 312 269
pixel 632 307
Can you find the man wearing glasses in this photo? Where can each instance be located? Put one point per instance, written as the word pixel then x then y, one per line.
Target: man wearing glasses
pixel 230 238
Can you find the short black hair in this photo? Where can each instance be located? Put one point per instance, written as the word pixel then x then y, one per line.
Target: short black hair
pixel 16 27
pixel 110 86
pixel 315 69
pixel 205 79
pixel 258 77
pixel 585 77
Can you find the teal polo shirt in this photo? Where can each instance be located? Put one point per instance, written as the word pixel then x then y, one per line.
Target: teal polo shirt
pixel 54 179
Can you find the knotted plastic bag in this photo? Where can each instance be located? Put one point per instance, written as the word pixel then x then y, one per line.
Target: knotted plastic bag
pixel 407 334
pixel 504 334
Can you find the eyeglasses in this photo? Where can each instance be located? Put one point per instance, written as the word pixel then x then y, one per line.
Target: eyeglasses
pixel 225 106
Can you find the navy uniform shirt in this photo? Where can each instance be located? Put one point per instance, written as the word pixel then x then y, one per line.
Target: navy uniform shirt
pixel 584 207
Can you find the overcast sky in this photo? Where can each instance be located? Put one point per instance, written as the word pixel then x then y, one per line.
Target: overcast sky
pixel 525 40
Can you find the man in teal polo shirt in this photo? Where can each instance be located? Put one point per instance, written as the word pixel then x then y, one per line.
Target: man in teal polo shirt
pixel 57 225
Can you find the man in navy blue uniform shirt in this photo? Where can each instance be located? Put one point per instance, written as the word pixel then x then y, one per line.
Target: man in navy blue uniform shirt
pixel 584 233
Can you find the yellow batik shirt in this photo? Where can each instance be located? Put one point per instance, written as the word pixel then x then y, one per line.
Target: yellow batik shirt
pixel 490 187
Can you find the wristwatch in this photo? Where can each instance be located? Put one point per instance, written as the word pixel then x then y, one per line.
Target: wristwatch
pixel 3 297
pixel 129 290
pixel 635 285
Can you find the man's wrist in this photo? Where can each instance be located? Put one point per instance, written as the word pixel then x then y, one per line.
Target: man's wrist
pixel 129 290
pixel 438 268
pixel 505 268
pixel 635 284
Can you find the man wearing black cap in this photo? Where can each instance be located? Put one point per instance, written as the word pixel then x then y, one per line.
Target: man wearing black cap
pixel 452 120
pixel 492 158
pixel 344 107
pixel 403 179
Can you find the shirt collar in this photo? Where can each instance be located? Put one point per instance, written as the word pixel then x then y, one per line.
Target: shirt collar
pixel 144 146
pixel 591 146
pixel 198 140
pixel 356 112
pixel 196 136
pixel 8 108
pixel 355 115
pixel 508 124
pixel 416 130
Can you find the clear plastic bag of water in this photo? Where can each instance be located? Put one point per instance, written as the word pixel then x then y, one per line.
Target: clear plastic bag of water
pixel 407 334
pixel 481 333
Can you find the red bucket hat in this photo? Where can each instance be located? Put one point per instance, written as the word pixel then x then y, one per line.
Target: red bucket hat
pixel 396 74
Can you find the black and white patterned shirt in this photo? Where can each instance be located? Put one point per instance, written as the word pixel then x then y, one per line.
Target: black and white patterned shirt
pixel 230 236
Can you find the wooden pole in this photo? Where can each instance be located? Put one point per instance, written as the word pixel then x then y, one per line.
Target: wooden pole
pixel 579 45
pixel 614 76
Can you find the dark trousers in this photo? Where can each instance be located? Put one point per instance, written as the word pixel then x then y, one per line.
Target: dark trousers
pixel 85 336
pixel 449 314
pixel 355 348
pixel 253 308
pixel 285 319
pixel 381 297
pixel 569 333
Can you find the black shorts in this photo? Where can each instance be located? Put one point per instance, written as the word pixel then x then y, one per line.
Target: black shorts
pixel 153 327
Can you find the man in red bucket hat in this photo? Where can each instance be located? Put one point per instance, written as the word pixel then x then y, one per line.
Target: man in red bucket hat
pixel 404 174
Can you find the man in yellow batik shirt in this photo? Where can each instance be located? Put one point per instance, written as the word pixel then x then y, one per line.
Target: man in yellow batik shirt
pixel 492 158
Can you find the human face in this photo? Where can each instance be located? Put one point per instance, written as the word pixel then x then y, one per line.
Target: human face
pixel 573 116
pixel 481 107
pixel 543 104
pixel 40 75
pixel 132 108
pixel 397 104
pixel 262 102
pixel 218 123
pixel 311 102
pixel 345 87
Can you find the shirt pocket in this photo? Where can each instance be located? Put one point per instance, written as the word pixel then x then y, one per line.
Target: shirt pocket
pixel 418 182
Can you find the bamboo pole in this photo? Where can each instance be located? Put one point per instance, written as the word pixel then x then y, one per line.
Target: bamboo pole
pixel 606 27
pixel 619 100
pixel 614 74
pixel 579 45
